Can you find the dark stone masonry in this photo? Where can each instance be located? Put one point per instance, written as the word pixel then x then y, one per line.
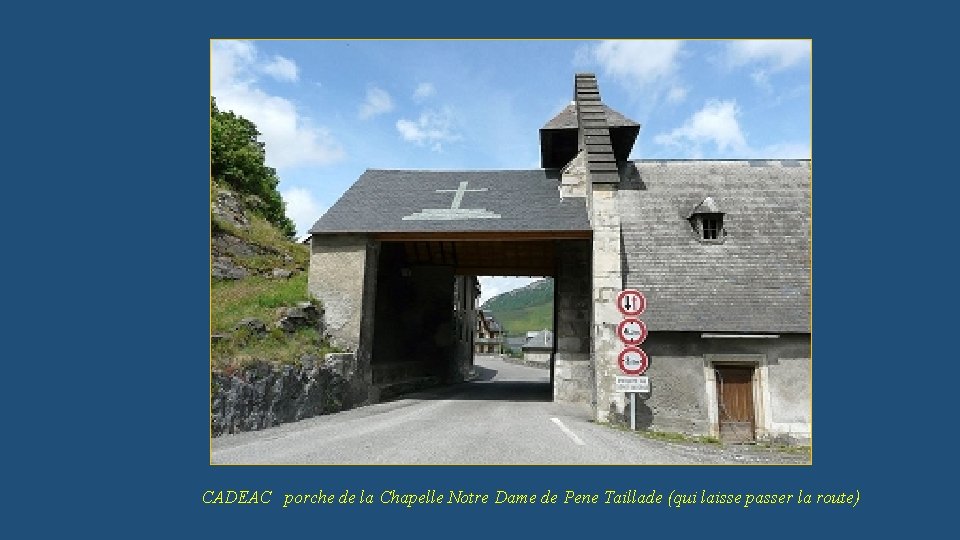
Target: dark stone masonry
pixel 264 395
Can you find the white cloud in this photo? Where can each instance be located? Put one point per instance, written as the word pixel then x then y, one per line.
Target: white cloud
pixel 432 128
pixel 282 69
pixel 638 62
pixel 302 208
pixel 377 102
pixel 677 94
pixel 291 138
pixel 761 77
pixel 424 90
pixel 774 54
pixel 715 123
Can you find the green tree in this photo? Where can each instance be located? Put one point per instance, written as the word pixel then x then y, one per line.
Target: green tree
pixel 237 160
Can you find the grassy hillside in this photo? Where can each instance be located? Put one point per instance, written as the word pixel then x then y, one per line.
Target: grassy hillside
pixel 252 245
pixel 260 309
pixel 255 296
pixel 525 309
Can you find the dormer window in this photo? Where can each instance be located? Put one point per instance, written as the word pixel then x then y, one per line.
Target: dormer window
pixel 710 226
pixel 707 221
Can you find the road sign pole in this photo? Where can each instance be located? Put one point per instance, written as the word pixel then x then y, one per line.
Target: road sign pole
pixel 632 360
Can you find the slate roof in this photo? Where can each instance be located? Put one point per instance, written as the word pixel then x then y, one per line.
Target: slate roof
pixel 539 340
pixel 756 280
pixel 567 118
pixel 408 201
pixel 708 206
pixel 491 323
pixel 559 139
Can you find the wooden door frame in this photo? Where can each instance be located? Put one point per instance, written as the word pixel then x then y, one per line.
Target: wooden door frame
pixel 759 385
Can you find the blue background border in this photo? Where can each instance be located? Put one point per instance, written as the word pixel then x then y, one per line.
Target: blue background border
pixel 109 116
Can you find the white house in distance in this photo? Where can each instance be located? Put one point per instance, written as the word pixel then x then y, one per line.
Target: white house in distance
pixel 489 339
pixel 538 348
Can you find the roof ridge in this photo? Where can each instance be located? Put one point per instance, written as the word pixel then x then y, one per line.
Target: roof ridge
pixel 397 169
pixel 698 160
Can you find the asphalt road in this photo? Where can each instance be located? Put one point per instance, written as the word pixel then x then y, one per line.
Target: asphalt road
pixel 505 416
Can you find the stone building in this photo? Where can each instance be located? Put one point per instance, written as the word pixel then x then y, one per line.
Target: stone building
pixel 538 348
pixel 720 248
pixel 489 339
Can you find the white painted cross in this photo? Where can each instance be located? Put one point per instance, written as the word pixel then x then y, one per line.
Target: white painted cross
pixel 454 212
pixel 458 198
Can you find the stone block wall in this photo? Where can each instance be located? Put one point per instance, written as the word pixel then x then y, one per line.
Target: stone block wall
pixel 683 388
pixel 789 386
pixel 538 358
pixel 573 177
pixel 607 282
pixel 265 395
pixel 678 398
pixel 573 368
pixel 338 267
pixel 343 276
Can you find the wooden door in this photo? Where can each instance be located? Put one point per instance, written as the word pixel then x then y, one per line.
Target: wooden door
pixel 735 403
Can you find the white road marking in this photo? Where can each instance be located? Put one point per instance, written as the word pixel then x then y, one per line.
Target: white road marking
pixel 566 430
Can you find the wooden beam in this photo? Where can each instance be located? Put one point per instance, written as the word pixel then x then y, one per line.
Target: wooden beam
pixel 503 271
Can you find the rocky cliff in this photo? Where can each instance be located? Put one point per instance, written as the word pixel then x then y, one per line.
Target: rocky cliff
pixel 270 359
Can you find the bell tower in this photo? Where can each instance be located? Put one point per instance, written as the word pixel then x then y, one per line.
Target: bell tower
pixel 588 124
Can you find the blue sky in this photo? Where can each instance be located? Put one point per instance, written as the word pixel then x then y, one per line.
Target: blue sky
pixel 328 110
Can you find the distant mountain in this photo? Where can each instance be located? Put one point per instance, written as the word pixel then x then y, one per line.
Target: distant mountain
pixel 524 309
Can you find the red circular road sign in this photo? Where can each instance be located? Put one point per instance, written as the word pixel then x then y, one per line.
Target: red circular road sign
pixel 633 361
pixel 631 302
pixel 632 331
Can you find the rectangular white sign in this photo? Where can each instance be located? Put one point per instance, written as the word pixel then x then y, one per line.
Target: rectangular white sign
pixel 633 384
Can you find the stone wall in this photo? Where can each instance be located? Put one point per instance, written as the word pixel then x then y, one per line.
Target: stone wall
pixel 265 395
pixel 789 386
pixel 573 369
pixel 683 396
pixel 678 398
pixel 607 283
pixel 573 178
pixel 343 276
pixel 537 358
pixel 338 266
